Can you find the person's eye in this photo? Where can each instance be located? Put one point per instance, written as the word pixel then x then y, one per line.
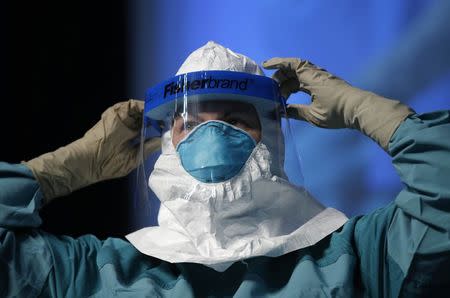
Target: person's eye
pixel 237 122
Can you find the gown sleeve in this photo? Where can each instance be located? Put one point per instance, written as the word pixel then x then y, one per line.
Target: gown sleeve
pixel 25 261
pixel 404 248
pixel 34 263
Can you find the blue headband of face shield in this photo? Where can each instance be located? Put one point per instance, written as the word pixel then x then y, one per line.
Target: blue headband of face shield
pixel 233 145
pixel 260 91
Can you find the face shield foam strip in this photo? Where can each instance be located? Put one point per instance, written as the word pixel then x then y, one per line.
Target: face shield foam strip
pixel 209 85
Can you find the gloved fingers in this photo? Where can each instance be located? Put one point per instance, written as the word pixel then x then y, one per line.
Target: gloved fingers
pixel 130 113
pixel 312 76
pixel 298 111
pixel 306 72
pixel 152 145
pixel 287 74
pixel 288 87
pixel 119 123
pixel 111 129
pixel 282 75
pixel 281 63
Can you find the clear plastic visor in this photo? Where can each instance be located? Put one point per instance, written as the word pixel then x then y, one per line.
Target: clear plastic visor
pixel 213 132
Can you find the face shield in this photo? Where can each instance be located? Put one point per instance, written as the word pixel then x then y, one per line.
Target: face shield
pixel 213 121
pixel 243 102
pixel 228 180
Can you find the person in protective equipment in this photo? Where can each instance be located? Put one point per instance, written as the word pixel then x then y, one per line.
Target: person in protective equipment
pixel 231 223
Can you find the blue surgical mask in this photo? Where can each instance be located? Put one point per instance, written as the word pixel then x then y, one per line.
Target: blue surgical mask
pixel 215 151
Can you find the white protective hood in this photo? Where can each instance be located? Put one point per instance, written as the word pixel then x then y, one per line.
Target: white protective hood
pixel 256 213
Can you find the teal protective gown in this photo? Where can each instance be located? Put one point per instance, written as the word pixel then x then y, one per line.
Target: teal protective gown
pixel 402 249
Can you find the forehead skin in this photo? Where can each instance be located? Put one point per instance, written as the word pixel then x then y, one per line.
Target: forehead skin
pixel 239 114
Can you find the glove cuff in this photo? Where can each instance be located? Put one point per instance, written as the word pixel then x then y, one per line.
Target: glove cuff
pixel 379 118
pixel 57 173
